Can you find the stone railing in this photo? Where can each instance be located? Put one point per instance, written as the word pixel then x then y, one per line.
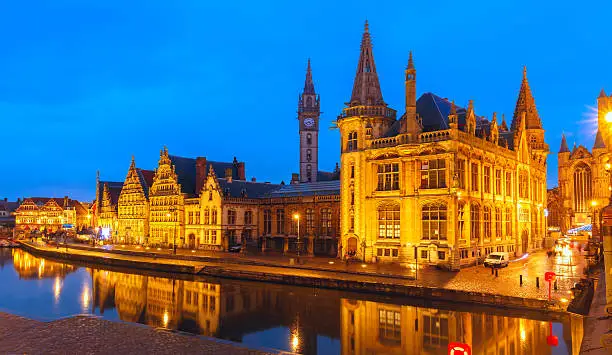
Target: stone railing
pixel 435 136
pixel 331 198
pixel 368 111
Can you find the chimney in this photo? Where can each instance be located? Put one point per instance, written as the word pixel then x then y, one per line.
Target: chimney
pixel 201 173
pixel 295 177
pixel 65 201
pixel 253 179
pixel 241 171
pixel 229 174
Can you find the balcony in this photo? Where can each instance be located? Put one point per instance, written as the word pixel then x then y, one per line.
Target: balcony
pixel 368 111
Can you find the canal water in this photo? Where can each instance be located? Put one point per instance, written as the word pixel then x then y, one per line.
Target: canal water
pixel 261 315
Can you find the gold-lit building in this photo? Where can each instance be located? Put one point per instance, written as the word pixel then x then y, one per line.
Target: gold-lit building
pixel 133 206
pixel 105 209
pixel 583 179
pixel 50 215
pixel 441 185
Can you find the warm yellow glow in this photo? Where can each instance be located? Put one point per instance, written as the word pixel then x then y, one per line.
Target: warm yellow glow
pixel 193 251
pixel 88 216
pixel 57 289
pixel 522 330
pixel 168 214
pixel 331 262
pixel 295 342
pixel 166 319
pixel 85 296
pixel 593 203
pixel 363 265
pixel 608 166
pixel 608 117
pixel 563 300
pixel 296 216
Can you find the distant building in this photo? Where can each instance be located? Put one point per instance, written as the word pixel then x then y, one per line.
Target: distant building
pixel 7 217
pixel 48 215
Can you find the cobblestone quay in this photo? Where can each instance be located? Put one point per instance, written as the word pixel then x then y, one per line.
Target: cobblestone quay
pixel 92 335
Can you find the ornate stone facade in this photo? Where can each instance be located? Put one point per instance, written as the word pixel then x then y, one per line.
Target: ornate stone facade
pixel 133 206
pixel 49 215
pixel 441 185
pixel 107 199
pixel 583 180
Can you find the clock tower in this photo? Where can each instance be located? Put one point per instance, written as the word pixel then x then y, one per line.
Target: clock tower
pixel 308 117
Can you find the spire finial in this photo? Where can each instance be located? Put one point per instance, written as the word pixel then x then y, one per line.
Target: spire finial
pixel 366 27
pixel 453 110
pixel 410 61
pixel 494 119
pixel 602 93
pixel 308 83
pixel 524 72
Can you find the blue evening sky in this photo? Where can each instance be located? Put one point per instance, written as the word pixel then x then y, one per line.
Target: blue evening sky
pixel 86 84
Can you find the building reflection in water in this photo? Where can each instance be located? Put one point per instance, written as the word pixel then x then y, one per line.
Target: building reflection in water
pixel 303 320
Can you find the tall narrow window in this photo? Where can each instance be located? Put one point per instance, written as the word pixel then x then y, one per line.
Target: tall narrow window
pixel 388 177
pixel 308 155
pixel 498 181
pixel 433 174
pixel 309 172
pixel 309 220
pixel 213 216
pixel 474 222
pixel 433 221
pixel 248 217
pixel 582 188
pixel 280 221
pixel 352 197
pixel 352 142
pixel 352 171
pixel 461 173
pixel 326 220
pixel 487 179
pixel 389 221
pixel 267 227
pixel 508 183
pixel 475 182
pixel 308 138
pixel 498 222
pixel 206 216
pixel 486 214
pixel 508 219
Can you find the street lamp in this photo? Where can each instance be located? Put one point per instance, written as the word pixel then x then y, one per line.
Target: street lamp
pixel 296 216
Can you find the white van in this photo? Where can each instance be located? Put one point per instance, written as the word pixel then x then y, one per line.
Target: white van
pixel 497 259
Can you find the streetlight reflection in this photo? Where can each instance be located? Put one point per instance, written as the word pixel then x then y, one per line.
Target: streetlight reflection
pixel 166 319
pixel 57 289
pixel 85 297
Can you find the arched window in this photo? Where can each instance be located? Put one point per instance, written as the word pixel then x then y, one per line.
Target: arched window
pixel 433 221
pixel 308 155
pixel 309 172
pixel 309 101
pixel 389 221
pixel 474 221
pixel 582 187
pixel 309 139
pixel 352 141
pixel 486 216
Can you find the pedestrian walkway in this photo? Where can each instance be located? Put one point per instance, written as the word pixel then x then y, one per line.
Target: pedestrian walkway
pixel 598 325
pixel 507 282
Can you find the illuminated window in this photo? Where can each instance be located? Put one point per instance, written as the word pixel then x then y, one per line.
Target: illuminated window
pixel 486 214
pixel 487 179
pixel 475 183
pixel 389 327
pixel 280 221
pixel 498 222
pixel 388 177
pixel 231 217
pixel 435 333
pixel 433 174
pixel 461 173
pixel 498 182
pixel 326 220
pixel 508 184
pixel 248 217
pixel 523 185
pixel 213 218
pixel 474 222
pixel 389 222
pixel 352 142
pixel 309 220
pixel 433 221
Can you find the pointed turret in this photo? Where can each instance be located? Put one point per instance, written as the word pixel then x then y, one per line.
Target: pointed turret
pixel 526 104
pixel 599 143
pixel 453 119
pixel 503 127
pixel 470 119
pixel 564 148
pixel 133 163
pixel 602 93
pixel 411 124
pixel 366 88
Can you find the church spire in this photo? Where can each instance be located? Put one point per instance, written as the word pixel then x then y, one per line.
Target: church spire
pixel 503 127
pixel 526 104
pixel 564 148
pixel 308 83
pixel 599 143
pixel 602 93
pixel 366 88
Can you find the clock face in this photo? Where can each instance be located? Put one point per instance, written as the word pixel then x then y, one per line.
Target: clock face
pixel 309 122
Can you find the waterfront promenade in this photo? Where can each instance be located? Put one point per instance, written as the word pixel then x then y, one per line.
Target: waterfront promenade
pixel 92 335
pixel 473 284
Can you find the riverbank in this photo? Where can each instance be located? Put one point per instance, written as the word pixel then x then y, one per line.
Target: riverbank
pixel 92 335
pixel 467 286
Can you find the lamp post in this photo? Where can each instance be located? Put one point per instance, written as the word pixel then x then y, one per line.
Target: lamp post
pixel 296 216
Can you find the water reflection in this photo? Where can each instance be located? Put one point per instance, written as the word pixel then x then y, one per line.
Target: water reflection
pixel 302 320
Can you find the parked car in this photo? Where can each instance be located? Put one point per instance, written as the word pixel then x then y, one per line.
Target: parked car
pixel 235 249
pixel 497 259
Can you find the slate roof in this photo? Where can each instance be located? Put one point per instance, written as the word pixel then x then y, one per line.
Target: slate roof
pixel 8 206
pixel 308 189
pixel 146 179
pixel 185 169
pixel 240 188
pixel 114 188
pixel 327 176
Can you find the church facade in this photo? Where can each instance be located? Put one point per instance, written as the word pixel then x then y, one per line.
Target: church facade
pixel 441 185
pixel 584 176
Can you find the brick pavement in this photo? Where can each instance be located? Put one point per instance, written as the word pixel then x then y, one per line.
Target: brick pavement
pixel 597 324
pixel 92 335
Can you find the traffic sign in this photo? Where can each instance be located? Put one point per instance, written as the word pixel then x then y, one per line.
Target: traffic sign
pixel 456 348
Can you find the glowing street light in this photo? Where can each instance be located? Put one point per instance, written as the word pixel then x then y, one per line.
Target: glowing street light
pixel 608 117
